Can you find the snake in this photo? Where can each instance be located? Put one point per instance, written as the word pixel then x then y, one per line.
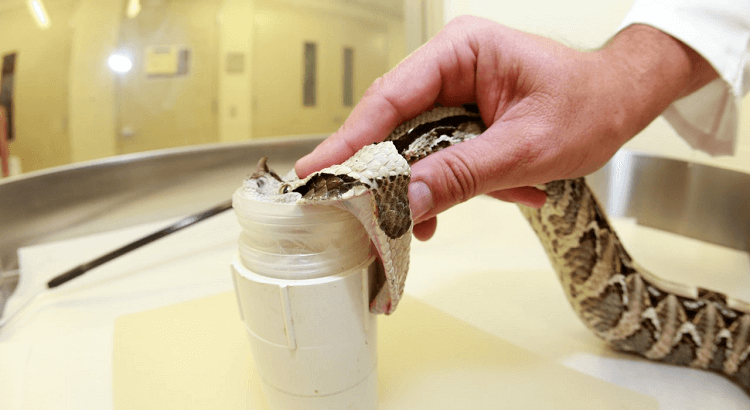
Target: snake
pixel 627 306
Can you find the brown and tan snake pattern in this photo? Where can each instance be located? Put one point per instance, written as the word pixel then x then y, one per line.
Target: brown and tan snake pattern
pixel 630 308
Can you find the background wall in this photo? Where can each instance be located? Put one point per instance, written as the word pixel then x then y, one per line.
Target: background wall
pixel 155 110
pixel 244 74
pixel 238 74
pixel 41 83
pixel 91 83
pixel 281 30
pixel 587 24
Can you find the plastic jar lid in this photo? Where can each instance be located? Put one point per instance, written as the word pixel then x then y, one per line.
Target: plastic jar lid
pixel 290 241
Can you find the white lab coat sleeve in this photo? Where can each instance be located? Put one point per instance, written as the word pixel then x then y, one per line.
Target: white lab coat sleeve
pixel 719 30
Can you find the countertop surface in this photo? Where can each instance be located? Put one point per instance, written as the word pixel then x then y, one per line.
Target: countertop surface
pixel 484 266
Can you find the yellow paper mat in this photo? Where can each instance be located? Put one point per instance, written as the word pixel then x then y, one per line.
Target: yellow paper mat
pixel 195 355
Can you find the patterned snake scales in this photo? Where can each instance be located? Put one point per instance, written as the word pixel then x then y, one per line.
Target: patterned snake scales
pixel 622 303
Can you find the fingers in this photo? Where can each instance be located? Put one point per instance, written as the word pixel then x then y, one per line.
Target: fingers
pixel 370 121
pixel 420 200
pixel 524 195
pixel 425 230
pixel 529 196
pixel 488 163
pixel 443 71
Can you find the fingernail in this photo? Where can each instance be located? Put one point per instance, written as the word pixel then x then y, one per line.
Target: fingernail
pixel 420 199
pixel 536 201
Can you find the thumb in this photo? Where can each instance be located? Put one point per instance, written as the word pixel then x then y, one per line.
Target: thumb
pixel 524 195
pixel 482 165
pixel 444 179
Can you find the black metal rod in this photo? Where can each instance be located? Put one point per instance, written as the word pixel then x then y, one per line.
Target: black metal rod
pixel 182 223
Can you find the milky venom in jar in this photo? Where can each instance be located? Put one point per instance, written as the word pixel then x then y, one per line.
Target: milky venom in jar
pixel 630 308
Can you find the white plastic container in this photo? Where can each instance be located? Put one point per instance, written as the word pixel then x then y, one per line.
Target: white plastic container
pixel 302 279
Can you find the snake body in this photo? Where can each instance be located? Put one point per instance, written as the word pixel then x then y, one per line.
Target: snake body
pixel 622 303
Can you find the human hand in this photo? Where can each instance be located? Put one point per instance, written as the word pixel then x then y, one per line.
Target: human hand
pixel 552 112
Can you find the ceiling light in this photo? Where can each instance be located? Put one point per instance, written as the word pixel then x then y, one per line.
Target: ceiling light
pixel 120 63
pixel 39 12
pixel 133 8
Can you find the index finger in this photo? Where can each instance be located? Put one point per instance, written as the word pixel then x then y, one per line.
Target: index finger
pixel 440 71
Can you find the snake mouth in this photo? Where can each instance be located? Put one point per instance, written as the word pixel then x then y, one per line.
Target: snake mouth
pixel 326 186
pixel 262 169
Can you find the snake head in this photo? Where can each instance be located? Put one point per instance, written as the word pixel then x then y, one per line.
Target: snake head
pixel 264 182
pixel 262 170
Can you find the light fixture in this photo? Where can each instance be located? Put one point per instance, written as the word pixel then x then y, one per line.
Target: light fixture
pixel 133 8
pixel 120 63
pixel 39 12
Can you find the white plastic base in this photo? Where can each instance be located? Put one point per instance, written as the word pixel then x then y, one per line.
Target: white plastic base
pixel 313 341
pixel 363 396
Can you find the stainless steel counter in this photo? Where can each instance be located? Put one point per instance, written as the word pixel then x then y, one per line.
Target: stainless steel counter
pixel 697 201
pixel 98 196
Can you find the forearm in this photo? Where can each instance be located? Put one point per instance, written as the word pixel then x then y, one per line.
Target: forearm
pixel 651 70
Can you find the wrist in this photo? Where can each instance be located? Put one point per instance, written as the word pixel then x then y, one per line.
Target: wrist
pixel 650 69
